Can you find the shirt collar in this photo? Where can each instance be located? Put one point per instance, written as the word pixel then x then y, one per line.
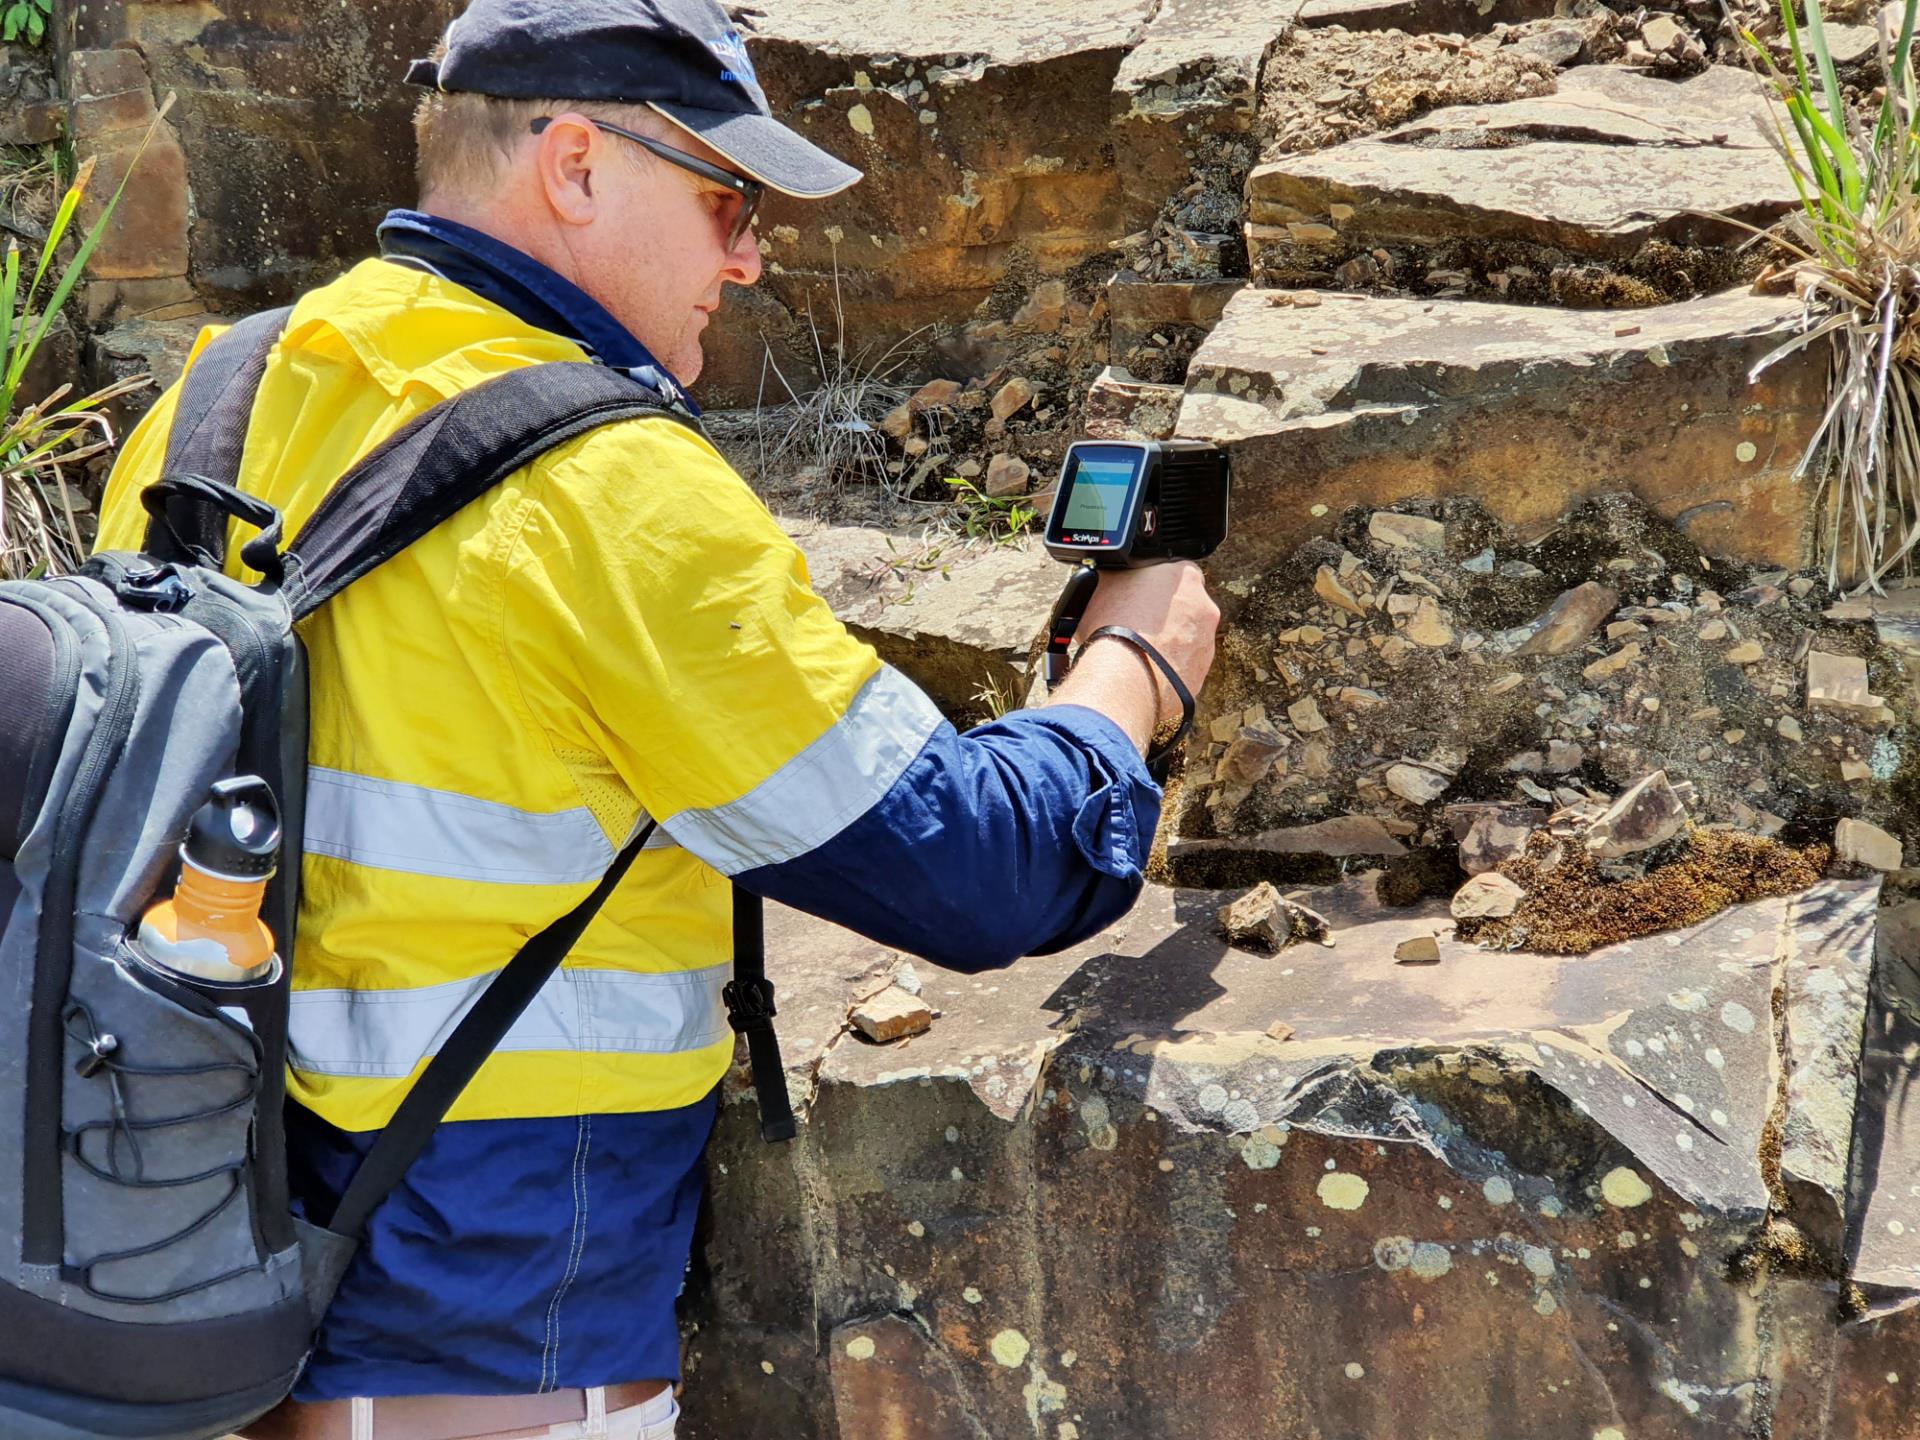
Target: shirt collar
pixel 521 285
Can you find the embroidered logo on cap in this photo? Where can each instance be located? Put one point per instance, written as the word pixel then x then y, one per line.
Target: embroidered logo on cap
pixel 737 66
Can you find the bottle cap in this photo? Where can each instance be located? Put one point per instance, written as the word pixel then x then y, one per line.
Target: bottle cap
pixel 237 832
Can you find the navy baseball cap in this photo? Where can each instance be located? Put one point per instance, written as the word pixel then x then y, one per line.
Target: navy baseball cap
pixel 682 58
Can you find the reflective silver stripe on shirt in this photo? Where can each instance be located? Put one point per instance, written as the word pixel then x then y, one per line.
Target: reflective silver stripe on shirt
pixel 386 1033
pixel 823 789
pixel 391 826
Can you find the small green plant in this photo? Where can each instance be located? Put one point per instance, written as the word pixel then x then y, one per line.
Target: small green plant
pixel 985 517
pixel 997 694
pixel 25 18
pixel 1854 245
pixel 42 440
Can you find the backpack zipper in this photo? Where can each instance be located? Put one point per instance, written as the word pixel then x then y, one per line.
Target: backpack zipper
pixel 42 1229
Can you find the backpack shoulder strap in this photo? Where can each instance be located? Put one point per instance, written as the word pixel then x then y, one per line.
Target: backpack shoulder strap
pixel 448 457
pixel 208 434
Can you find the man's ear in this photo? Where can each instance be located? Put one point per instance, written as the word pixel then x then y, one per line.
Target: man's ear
pixel 566 153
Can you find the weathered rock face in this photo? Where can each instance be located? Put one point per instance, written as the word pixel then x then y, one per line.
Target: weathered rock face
pixel 1612 166
pixel 1497 1196
pixel 1004 143
pixel 959 619
pixel 1359 400
pixel 294 122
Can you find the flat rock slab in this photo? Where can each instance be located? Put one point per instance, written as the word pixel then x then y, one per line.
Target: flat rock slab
pixel 1370 400
pixel 1199 52
pixel 1002 32
pixel 1884 1169
pixel 1829 969
pixel 1609 162
pixel 1496 1196
pixel 1451 17
pixel 956 617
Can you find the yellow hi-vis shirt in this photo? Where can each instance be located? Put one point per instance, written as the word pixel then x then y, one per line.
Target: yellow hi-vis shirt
pixel 620 628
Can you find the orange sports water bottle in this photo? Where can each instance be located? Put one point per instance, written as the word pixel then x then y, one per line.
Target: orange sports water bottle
pixel 211 928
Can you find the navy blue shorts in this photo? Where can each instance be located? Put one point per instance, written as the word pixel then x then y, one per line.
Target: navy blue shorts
pixel 517 1256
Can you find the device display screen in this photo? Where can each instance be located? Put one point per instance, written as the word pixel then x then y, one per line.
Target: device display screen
pixel 1096 489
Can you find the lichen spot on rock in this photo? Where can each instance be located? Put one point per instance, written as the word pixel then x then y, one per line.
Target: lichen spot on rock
pixel 861 119
pixel 1737 1017
pixel 1098 1119
pixel 1612 1432
pixel 1745 451
pixel 1430 1260
pixel 1393 1252
pixel 860 1347
pixel 1356 1371
pixel 1262 1150
pixel 1010 1348
pixel 1545 1304
pixel 1498 1190
pixel 1623 1188
pixel 1538 1260
pixel 1340 1191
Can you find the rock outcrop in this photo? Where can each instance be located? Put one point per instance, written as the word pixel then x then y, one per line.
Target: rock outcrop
pixel 1504 1196
pixel 1365 400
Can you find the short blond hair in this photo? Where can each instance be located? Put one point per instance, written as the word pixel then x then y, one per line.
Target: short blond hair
pixel 462 140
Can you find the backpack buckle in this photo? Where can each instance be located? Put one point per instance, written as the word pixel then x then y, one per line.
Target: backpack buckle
pixel 156 588
pixel 749 1003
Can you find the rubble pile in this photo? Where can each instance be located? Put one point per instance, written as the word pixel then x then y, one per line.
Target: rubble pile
pixel 1323 86
pixel 1428 681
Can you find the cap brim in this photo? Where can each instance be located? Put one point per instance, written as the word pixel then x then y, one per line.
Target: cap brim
pixel 766 150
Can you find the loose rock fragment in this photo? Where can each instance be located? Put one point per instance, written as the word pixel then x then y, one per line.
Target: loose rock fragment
pixel 1839 683
pixel 1564 757
pixel 1010 397
pixel 934 395
pixel 1264 919
pixel 1327 585
pixel 1250 755
pixel 1487 896
pixel 1421 950
pixel 1747 652
pixel 1571 620
pixel 1417 783
pixel 1306 716
pixel 1855 842
pixel 1611 665
pixel 893 1014
pixel 1429 626
pixel 1496 837
pixel 1407 531
pixel 1006 475
pixel 1649 814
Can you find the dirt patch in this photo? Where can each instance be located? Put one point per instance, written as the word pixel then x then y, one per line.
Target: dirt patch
pixel 1325 86
pixel 1571 908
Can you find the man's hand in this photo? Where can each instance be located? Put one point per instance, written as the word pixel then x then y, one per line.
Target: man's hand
pixel 1168 607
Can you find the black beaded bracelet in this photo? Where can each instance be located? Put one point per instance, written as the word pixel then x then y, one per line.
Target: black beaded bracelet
pixel 1155 753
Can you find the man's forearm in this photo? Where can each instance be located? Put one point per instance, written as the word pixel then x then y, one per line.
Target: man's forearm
pixel 1119 683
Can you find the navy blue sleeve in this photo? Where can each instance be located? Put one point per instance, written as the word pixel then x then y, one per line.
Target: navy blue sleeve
pixel 1021 837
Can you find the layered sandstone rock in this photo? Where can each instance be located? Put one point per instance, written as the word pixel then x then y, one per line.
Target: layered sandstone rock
pixel 1364 400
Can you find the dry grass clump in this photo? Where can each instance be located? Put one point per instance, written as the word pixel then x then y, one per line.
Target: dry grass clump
pixel 1855 248
pixel 833 431
pixel 1571 908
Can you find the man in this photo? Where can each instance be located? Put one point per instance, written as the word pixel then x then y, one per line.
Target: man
pixel 620 630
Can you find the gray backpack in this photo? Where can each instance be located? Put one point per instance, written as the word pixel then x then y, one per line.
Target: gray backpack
pixel 157 1283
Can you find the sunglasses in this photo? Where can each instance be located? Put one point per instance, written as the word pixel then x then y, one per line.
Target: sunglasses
pixel 749 191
